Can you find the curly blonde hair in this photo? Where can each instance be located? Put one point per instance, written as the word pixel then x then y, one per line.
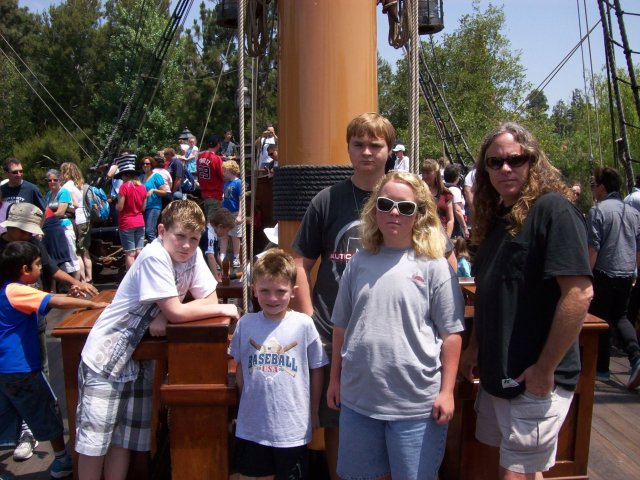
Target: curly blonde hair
pixel 542 178
pixel 70 171
pixel 427 237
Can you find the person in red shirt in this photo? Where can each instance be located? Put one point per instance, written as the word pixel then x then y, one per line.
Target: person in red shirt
pixel 209 168
pixel 132 200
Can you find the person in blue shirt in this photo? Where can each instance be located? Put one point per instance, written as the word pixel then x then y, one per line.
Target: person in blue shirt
pixel 231 201
pixel 25 392
pixel 462 254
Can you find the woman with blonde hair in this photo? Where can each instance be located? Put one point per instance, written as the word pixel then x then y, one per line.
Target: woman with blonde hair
pixel 74 183
pixel 396 340
pixel 441 194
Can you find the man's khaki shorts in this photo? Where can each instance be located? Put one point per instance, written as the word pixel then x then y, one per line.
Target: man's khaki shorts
pixel 525 428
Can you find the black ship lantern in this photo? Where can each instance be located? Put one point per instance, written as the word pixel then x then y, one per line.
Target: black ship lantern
pixel 430 17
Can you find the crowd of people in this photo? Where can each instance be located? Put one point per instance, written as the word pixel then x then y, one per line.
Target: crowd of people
pixel 370 351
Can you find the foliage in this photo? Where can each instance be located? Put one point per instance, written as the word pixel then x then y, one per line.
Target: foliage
pixel 477 73
pixel 13 98
pixel 47 150
pixel 89 55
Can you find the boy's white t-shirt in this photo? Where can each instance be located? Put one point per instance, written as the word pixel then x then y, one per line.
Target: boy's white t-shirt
pixel 121 326
pixel 276 355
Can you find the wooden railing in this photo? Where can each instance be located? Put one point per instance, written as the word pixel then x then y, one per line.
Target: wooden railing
pixel 191 377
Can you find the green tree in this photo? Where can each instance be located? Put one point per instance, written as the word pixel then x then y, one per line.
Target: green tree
pixel 134 30
pixel 480 77
pixel 15 122
pixel 71 45
pixel 537 103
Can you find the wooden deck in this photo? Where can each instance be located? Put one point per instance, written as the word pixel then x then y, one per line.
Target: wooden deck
pixel 615 433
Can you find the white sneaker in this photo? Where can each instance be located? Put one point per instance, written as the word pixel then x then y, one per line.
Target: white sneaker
pixel 25 447
pixel 236 263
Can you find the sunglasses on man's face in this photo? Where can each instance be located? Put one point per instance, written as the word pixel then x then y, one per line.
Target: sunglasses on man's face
pixel 514 161
pixel 405 207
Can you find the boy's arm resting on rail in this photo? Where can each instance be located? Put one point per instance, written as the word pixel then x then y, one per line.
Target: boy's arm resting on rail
pixel 178 312
pixel 64 301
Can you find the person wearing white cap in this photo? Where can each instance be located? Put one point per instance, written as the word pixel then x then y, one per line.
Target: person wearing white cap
pixel 402 161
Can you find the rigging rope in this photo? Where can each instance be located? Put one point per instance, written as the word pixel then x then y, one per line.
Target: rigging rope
pixel 46 90
pixel 398 22
pixel 257 27
pixel 593 85
pixel 186 8
pixel 215 93
pixel 584 81
pixel 254 155
pixel 414 106
pixel 557 68
pixel 43 101
pixel 242 8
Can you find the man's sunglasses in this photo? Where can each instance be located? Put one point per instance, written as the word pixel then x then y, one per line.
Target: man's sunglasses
pixel 496 163
pixel 405 207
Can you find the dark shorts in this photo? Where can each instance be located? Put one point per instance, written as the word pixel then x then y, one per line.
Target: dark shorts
pixel 83 237
pixel 209 206
pixel 255 460
pixel 28 396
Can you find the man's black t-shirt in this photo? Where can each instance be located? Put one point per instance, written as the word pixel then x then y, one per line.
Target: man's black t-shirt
pixel 517 293
pixel 330 230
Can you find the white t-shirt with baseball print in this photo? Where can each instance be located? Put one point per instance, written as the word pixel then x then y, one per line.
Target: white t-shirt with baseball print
pixel 275 356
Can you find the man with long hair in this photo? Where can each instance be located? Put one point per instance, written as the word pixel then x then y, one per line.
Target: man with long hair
pixel 533 288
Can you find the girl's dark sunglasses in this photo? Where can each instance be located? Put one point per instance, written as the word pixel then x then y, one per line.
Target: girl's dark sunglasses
pixel 496 163
pixel 405 207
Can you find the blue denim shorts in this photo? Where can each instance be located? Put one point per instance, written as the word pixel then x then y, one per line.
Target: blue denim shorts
pixel 371 448
pixel 28 396
pixel 132 239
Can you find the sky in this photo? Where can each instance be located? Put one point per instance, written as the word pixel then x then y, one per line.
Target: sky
pixel 543 31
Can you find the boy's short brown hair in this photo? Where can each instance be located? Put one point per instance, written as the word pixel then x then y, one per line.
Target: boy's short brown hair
pixel 224 217
pixel 232 166
pixel 374 125
pixel 185 212
pixel 275 263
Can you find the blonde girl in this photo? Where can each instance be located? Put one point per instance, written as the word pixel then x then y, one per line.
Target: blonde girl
pixel 396 340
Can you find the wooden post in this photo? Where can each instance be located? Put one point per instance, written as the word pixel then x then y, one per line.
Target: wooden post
pixel 199 397
pixel 327 75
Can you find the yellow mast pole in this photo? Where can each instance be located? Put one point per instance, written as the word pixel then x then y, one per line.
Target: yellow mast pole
pixel 327 75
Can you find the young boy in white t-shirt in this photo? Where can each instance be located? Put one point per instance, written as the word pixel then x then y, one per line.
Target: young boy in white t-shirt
pixel 279 374
pixel 150 294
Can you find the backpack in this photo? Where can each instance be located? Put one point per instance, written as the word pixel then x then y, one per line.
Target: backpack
pixel 96 204
pixel 188 184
